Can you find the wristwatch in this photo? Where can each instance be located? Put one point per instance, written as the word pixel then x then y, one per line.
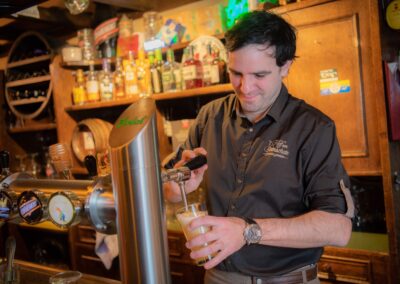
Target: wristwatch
pixel 252 233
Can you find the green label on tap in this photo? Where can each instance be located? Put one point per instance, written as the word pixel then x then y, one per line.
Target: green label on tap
pixel 128 122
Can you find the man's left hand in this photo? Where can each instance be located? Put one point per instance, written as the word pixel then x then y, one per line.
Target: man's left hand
pixel 224 238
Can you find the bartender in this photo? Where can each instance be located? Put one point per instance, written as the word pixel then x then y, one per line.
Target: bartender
pixel 277 191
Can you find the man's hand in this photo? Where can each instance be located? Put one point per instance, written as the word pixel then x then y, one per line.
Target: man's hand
pixel 171 189
pixel 224 238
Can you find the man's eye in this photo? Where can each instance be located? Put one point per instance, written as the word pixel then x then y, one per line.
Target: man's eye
pixel 260 75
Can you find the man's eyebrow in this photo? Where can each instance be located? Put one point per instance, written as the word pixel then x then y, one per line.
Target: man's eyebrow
pixel 261 72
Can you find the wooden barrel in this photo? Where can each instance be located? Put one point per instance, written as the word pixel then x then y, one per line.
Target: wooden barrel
pixel 90 136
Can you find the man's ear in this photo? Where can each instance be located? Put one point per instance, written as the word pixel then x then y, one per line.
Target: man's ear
pixel 285 68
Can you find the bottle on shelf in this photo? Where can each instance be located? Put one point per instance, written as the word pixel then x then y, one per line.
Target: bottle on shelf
pixel 171 73
pixel 118 80
pixel 4 164
pixel 106 82
pixel 79 91
pixel 192 70
pixel 130 76
pixel 143 75
pixel 155 71
pixel 219 73
pixel 207 62
pixel 92 86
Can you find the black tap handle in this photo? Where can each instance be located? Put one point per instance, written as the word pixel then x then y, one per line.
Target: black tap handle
pixel 4 159
pixel 196 162
pixel 91 165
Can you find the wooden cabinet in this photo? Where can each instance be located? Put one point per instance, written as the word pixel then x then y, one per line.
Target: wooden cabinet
pixel 339 70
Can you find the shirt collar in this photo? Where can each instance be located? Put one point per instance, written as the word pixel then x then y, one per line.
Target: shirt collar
pixel 274 111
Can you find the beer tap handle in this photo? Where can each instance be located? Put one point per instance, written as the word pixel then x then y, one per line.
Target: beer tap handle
pixel 4 159
pixel 91 165
pixel 196 162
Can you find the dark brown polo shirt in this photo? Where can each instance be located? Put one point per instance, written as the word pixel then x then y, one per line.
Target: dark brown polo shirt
pixel 285 165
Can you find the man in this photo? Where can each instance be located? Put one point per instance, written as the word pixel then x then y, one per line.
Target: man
pixel 276 187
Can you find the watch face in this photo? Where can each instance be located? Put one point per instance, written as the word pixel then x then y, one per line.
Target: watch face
pixel 61 209
pixel 253 234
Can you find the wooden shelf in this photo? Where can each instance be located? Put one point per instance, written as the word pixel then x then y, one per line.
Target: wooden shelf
pixel 31 128
pixel 28 101
pixel 28 81
pixel 211 90
pixel 29 61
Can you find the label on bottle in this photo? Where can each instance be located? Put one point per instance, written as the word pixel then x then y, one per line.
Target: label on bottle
pixel 79 95
pixel 189 72
pixel 92 88
pixel 178 78
pixel 167 80
pixel 106 90
pixel 155 79
pixel 214 74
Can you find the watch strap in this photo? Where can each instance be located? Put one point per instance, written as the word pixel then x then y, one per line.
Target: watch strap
pixel 249 220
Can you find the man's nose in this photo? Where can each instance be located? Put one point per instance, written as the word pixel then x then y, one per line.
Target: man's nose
pixel 246 85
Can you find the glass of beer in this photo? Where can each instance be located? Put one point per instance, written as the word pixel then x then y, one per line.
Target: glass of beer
pixel 185 216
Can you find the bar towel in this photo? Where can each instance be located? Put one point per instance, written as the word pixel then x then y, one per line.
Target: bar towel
pixel 106 248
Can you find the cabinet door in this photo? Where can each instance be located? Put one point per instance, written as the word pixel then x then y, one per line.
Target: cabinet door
pixel 336 71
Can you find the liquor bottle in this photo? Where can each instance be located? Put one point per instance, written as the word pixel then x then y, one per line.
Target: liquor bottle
pixel 171 74
pixel 219 73
pixel 192 70
pixel 4 164
pixel 155 71
pixel 92 86
pixel 143 75
pixel 207 66
pixel 118 80
pixel 106 82
pixel 79 90
pixel 130 76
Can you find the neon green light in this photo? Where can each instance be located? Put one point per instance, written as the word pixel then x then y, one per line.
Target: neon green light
pixel 235 9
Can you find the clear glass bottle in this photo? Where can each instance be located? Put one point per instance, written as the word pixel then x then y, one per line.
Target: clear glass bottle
pixel 171 73
pixel 79 96
pixel 143 75
pixel 118 80
pixel 130 76
pixel 106 82
pixel 92 86
pixel 155 70
pixel 192 70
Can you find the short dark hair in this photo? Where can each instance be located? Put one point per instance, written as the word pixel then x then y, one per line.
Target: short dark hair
pixel 261 27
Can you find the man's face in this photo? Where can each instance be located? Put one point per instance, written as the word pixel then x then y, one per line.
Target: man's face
pixel 256 78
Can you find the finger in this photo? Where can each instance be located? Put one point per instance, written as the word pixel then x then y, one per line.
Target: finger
pixel 207 250
pixel 218 258
pixel 202 240
pixel 206 221
pixel 200 151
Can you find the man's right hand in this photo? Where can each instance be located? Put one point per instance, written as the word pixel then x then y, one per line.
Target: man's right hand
pixel 171 189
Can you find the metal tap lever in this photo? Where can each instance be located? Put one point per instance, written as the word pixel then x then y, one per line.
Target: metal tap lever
pixel 91 166
pixel 183 173
pixel 10 251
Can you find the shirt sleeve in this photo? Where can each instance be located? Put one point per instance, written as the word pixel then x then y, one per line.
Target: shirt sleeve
pixel 323 171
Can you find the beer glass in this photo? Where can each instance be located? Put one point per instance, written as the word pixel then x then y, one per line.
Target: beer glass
pixel 185 216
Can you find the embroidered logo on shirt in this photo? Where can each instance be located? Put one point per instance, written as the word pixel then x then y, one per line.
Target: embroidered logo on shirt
pixel 277 148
